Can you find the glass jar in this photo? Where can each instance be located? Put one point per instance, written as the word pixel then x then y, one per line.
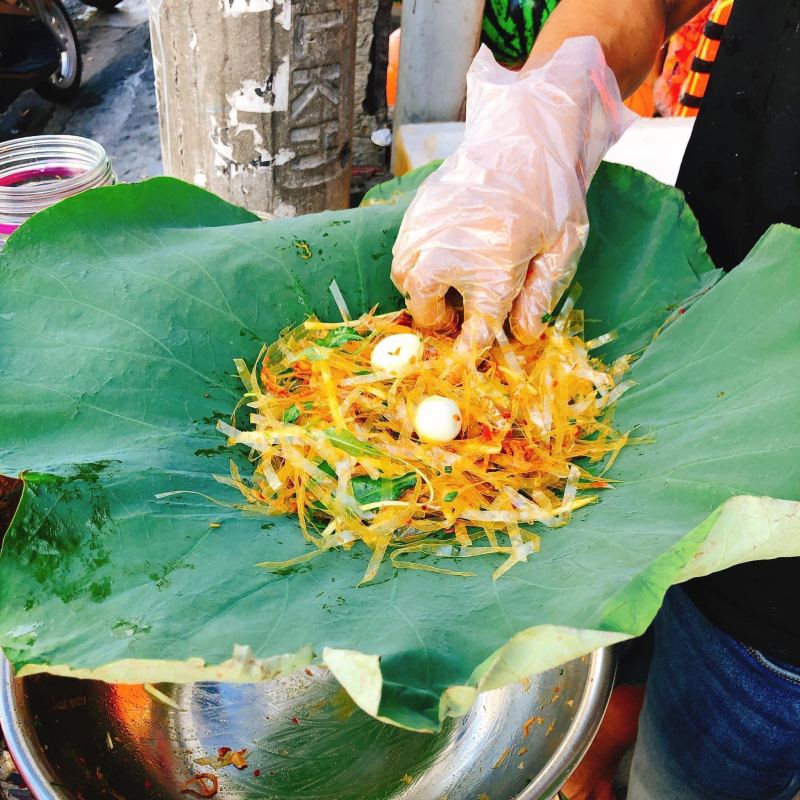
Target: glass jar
pixel 38 171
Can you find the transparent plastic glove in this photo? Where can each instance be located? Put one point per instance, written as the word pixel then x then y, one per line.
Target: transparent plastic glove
pixel 503 220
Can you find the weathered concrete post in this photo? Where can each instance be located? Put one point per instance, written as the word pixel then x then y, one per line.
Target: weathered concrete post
pixel 255 99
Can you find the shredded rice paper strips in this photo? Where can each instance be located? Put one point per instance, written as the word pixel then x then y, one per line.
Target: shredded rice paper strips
pixel 331 440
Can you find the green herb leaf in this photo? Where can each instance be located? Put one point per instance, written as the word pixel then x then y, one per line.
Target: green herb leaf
pixel 450 496
pixel 448 470
pixel 368 490
pixel 348 443
pixel 339 336
pixel 371 490
pixel 291 414
pixel 325 467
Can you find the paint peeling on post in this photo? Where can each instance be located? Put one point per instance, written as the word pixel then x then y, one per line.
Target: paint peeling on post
pixel 255 99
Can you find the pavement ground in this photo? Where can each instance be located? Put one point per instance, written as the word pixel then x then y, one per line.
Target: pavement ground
pixel 116 106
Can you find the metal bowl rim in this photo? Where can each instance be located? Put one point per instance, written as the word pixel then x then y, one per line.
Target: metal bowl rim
pixel 575 743
pixel 581 732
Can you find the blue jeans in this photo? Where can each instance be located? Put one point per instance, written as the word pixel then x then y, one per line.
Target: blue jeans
pixel 720 720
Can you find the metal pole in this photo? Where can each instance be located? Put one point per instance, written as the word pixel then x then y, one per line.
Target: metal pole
pixel 255 99
pixel 439 40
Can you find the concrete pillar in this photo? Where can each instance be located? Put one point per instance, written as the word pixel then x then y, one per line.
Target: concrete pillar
pixel 255 99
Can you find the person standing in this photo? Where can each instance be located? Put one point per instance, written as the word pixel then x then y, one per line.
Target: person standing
pixel 503 221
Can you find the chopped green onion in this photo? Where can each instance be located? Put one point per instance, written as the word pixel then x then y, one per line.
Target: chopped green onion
pixel 291 414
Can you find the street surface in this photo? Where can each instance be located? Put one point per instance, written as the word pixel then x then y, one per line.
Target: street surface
pixel 116 105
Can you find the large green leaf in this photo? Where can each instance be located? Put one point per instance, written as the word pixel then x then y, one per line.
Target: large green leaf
pixel 399 190
pixel 121 312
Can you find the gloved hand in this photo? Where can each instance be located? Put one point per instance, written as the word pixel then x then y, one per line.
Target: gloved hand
pixel 503 220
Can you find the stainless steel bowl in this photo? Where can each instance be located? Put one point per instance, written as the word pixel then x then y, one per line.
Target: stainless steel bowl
pixel 305 740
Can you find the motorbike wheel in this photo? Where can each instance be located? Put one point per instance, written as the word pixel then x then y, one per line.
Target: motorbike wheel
pixel 64 84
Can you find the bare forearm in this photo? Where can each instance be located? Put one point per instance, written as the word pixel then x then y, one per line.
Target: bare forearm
pixel 629 31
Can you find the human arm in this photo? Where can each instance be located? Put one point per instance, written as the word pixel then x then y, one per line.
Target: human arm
pixel 503 221
pixel 630 32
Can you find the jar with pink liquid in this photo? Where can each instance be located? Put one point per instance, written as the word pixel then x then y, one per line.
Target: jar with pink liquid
pixel 38 171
